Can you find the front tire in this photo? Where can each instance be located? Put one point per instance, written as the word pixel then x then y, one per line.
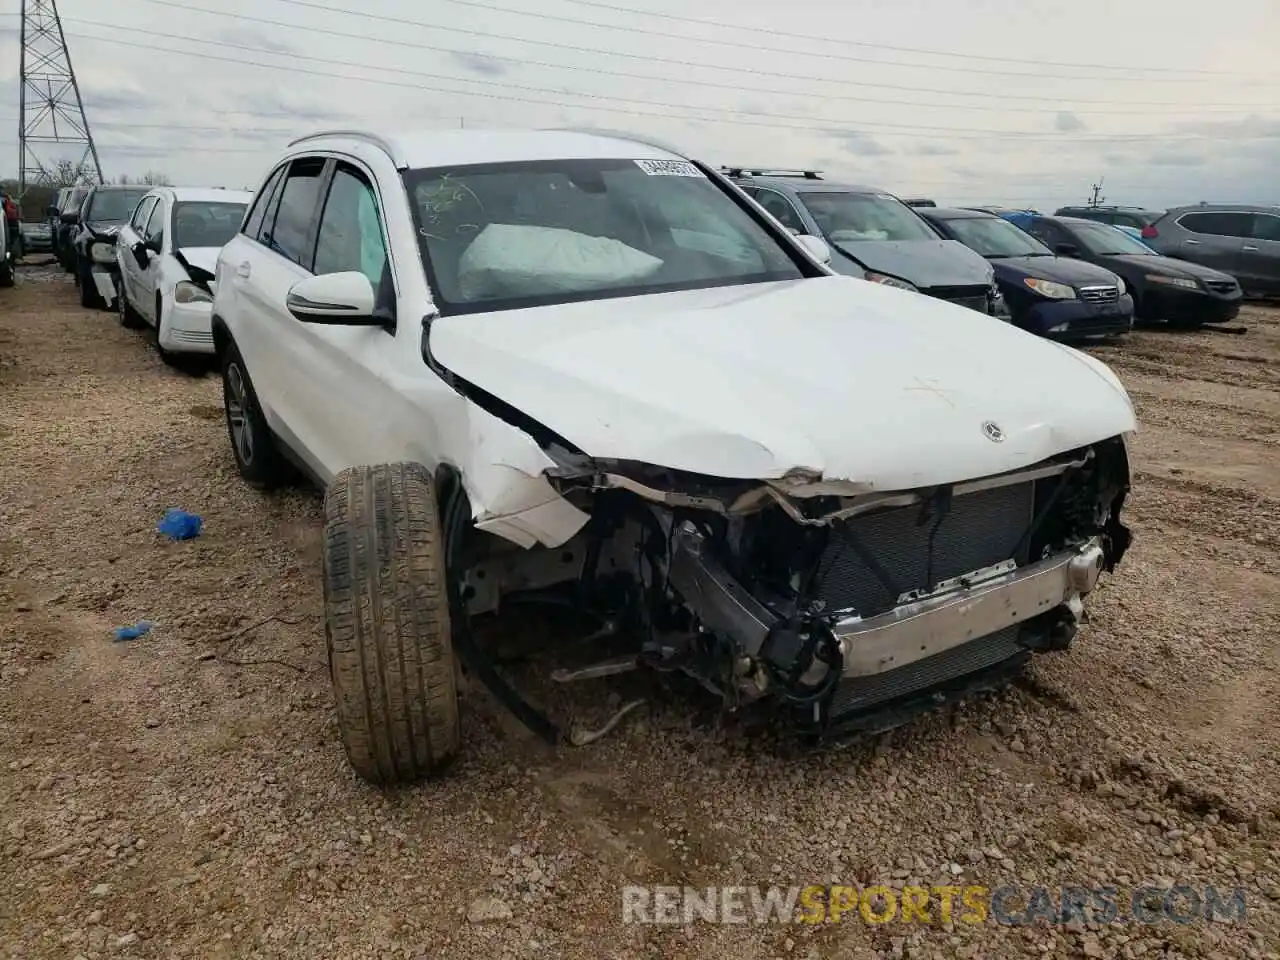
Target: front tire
pixel 257 457
pixel 387 624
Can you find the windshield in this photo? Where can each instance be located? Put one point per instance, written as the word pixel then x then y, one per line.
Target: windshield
pixel 113 206
pixel 505 236
pixel 1104 241
pixel 995 237
pixel 855 217
pixel 202 224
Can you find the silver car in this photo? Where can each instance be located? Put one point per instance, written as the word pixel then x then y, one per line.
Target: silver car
pixel 1240 239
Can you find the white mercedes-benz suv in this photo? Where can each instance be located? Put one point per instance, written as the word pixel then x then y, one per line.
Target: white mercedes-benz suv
pixel 581 365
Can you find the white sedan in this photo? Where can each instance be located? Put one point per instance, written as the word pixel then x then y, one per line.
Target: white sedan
pixel 167 253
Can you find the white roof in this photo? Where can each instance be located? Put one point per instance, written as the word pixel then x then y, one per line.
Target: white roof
pixel 437 148
pixel 209 195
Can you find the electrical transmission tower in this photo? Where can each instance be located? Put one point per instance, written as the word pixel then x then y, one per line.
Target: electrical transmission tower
pixel 54 142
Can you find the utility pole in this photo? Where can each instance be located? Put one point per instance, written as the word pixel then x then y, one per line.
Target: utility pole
pixel 51 113
pixel 1097 197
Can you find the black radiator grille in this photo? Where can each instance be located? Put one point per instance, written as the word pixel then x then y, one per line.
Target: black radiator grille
pixel 980 529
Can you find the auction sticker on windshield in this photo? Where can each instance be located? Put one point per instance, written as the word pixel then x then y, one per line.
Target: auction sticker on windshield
pixel 668 168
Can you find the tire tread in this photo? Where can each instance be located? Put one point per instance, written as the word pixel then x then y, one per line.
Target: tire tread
pixel 387 624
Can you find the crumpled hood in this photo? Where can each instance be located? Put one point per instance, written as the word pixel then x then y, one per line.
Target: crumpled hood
pixel 1058 269
pixel 104 229
pixel 860 382
pixel 202 258
pixel 925 263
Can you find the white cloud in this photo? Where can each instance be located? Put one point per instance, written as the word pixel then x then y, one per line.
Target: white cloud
pixel 1035 133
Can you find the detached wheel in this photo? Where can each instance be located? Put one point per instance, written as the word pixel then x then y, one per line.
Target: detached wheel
pixel 129 317
pixel 88 291
pixel 258 458
pixel 387 623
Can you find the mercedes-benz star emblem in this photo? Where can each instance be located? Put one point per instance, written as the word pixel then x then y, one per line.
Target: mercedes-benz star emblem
pixel 991 430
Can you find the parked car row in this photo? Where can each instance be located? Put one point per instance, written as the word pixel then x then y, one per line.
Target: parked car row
pixel 541 364
pixel 149 254
pixel 1062 277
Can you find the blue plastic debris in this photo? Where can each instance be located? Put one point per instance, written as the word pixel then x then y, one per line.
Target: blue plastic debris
pixel 179 525
pixel 134 632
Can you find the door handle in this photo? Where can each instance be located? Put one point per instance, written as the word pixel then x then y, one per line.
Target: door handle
pixel 1192 243
pixel 244 269
pixel 1250 249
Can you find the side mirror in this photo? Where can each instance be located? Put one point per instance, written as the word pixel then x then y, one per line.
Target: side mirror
pixel 816 246
pixel 1067 250
pixel 337 298
pixel 51 211
pixel 153 244
pixel 71 217
pixel 139 251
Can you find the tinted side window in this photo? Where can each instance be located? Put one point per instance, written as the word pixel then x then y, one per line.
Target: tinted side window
pixel 299 198
pixel 155 224
pixel 1044 232
pixel 253 226
pixel 350 233
pixel 780 207
pixel 1266 226
pixel 1218 224
pixel 140 215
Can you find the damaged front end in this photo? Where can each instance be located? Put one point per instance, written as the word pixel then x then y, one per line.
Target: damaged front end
pixel 839 604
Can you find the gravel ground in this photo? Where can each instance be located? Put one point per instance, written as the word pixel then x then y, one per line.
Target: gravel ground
pixel 186 795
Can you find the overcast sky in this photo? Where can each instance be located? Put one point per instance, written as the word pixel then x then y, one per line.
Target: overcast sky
pixel 1028 103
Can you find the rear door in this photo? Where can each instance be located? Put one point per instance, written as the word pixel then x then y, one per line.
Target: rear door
pixel 1213 238
pixel 130 236
pixel 1260 255
pixel 265 268
pixel 350 412
pixel 153 235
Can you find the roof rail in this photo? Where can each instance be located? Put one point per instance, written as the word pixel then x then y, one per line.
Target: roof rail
pixel 770 172
pixel 365 135
pixel 623 135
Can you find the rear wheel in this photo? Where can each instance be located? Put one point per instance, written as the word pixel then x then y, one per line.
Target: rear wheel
pixel 387 625
pixel 257 456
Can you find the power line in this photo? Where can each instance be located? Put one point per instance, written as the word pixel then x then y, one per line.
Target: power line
pixel 735 87
pixel 830 126
pixel 684 65
pixel 721 25
pixel 491 8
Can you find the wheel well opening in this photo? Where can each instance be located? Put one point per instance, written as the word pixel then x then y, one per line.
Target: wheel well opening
pixel 221 336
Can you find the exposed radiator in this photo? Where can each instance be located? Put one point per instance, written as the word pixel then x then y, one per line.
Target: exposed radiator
pixel 979 530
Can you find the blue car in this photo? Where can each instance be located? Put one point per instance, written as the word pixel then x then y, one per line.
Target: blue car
pixel 1055 297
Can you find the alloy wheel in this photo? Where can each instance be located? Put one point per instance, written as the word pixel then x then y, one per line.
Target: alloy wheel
pixel 239 405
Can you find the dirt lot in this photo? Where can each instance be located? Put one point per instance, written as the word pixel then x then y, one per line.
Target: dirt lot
pixel 185 794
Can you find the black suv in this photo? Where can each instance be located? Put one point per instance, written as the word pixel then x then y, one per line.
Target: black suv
pixel 93 247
